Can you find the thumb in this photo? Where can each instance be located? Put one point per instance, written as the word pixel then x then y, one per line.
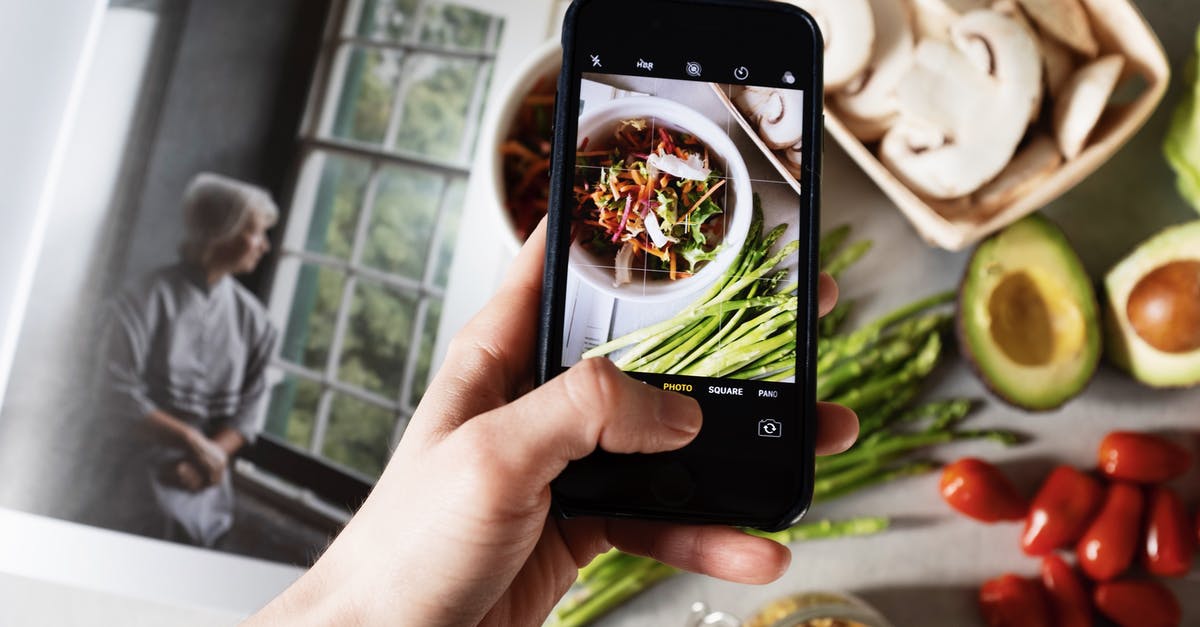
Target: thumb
pixel 591 404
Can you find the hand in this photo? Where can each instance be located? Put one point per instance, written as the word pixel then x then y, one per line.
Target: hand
pixel 209 457
pixel 457 531
pixel 188 476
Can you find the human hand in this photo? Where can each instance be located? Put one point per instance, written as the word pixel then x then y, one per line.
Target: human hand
pixel 457 531
pixel 188 476
pixel 210 459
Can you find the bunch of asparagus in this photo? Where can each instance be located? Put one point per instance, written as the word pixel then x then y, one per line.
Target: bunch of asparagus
pixel 876 370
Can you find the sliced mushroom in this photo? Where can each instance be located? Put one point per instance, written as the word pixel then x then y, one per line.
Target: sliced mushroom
pixel 932 18
pixel 751 100
pixel 1059 63
pixel 959 125
pixel 866 130
pixel 1083 100
pixel 1066 21
pixel 793 157
pixel 849 33
pixel 870 98
pixel 781 124
pixel 1025 172
pixel 981 56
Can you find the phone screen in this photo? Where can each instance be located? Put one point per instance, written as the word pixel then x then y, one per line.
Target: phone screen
pixel 687 229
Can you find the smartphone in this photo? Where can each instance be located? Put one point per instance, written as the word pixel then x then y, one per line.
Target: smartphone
pixel 682 245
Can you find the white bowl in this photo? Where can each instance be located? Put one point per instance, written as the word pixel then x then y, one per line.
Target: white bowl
pixel 598 121
pixel 545 61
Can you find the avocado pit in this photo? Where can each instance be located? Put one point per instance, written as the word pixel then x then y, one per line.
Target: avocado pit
pixel 1021 320
pixel 1164 307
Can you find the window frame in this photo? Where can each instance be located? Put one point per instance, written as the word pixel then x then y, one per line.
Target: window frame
pixel 312 474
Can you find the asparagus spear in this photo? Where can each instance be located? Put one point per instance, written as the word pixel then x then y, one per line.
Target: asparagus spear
pixel 831 241
pixel 848 257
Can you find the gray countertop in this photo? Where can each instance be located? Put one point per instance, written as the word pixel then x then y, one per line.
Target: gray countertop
pixel 926 570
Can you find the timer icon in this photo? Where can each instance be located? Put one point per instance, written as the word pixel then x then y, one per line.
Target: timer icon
pixel 741 73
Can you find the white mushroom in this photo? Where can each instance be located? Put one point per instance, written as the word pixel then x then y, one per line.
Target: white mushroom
pixel 1033 163
pixel 959 125
pixel 1059 64
pixel 1066 21
pixel 793 157
pixel 870 97
pixel 751 99
pixel 1083 100
pixel 979 53
pixel 932 18
pixel 781 123
pixel 849 34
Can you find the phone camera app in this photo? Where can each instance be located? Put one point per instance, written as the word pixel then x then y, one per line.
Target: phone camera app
pixel 768 428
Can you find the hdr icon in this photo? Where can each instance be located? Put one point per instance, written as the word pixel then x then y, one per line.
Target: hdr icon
pixel 645 65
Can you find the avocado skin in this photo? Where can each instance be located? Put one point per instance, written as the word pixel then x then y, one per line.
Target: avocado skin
pixel 1054 236
pixel 1146 364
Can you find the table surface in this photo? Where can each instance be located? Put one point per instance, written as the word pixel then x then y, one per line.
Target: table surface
pixel 926 570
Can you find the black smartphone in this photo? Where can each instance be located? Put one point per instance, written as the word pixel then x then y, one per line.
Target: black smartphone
pixel 682 245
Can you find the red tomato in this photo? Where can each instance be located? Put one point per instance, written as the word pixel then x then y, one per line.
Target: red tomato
pixel 1061 510
pixel 1069 602
pixel 1107 547
pixel 979 490
pixel 1012 601
pixel 1169 541
pixel 1142 457
pixel 1145 603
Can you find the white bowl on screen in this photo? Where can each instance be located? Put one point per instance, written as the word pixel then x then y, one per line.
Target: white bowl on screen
pixel 598 121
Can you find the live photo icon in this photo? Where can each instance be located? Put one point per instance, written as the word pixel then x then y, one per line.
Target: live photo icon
pixel 789 78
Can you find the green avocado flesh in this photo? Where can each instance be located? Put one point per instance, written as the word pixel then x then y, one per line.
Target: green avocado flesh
pixel 1152 307
pixel 1027 316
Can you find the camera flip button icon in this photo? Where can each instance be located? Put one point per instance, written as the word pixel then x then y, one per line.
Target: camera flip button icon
pixel 769 428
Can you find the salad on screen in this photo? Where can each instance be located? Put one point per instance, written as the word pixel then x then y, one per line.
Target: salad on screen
pixel 649 197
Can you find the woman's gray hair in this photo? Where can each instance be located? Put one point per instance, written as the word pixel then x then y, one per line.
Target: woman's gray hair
pixel 215 210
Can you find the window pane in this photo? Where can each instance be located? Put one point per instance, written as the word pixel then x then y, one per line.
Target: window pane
pixel 358 434
pixel 337 205
pixel 445 24
pixel 314 313
pixel 420 382
pixel 293 410
pixel 377 338
pixel 403 221
pixel 434 115
pixel 367 95
pixel 453 207
pixel 386 19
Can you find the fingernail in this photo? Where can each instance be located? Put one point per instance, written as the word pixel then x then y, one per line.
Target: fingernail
pixel 679 412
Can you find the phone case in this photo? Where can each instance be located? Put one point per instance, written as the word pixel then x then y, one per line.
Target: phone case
pixel 552 305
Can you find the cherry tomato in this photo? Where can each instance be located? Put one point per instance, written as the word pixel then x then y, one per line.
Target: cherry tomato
pixel 1108 546
pixel 1142 457
pixel 1012 601
pixel 1169 541
pixel 1143 603
pixel 1061 511
pixel 1069 602
pixel 979 490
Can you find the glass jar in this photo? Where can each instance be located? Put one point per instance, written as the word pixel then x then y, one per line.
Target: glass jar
pixel 817 609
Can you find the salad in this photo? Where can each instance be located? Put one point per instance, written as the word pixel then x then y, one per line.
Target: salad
pixel 649 199
pixel 527 158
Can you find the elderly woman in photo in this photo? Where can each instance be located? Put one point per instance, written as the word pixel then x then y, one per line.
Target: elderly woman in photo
pixel 185 360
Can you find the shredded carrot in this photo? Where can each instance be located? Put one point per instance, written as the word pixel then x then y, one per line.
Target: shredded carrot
pixel 703 198
pixel 592 153
pixel 637 177
pixel 514 148
pixel 672 254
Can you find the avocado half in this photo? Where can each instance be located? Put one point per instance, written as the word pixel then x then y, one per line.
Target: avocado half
pixel 1152 315
pixel 1027 319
